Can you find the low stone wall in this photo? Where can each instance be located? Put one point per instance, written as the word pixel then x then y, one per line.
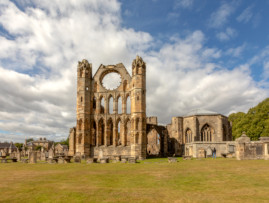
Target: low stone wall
pixel 246 149
pixel 205 149
pixel 111 151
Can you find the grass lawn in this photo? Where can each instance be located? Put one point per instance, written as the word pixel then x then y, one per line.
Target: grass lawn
pixel 152 180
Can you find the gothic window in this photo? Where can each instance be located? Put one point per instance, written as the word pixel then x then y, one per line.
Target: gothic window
pixel 137 123
pixel 102 105
pixel 110 105
pixel 119 105
pixel 101 129
pixel 118 136
pixel 127 132
pixel 94 103
pixel 93 142
pixel 110 132
pixel 188 136
pixel 206 133
pixel 128 105
pixel 224 133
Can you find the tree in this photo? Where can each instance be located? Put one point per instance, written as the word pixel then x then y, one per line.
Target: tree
pixel 19 146
pixel 255 122
pixel 29 140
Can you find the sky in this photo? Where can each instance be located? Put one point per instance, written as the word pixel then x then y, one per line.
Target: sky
pixel 206 54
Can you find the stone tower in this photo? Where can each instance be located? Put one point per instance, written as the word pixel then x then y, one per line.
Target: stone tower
pixel 138 108
pixel 110 121
pixel 84 88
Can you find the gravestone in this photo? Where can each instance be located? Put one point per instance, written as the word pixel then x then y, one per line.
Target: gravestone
pixel 91 160
pixel 172 159
pixel 124 159
pixel 77 159
pixel 132 160
pixel 12 155
pixel 18 156
pixel 51 161
pixel 51 153
pixel 104 160
pixel 61 160
pixel 43 156
pixel 32 158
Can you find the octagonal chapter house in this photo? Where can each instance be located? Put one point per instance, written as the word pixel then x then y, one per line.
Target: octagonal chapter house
pixel 111 111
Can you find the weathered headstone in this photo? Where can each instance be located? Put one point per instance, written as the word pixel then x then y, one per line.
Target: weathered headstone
pixel 61 160
pixel 91 160
pixel 51 153
pixel 104 160
pixel 172 159
pixel 132 160
pixel 18 156
pixel 124 159
pixel 32 158
pixel 77 159
pixel 43 156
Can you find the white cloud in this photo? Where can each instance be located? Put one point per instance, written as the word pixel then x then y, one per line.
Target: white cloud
pixel 228 34
pixel 237 51
pixel 220 17
pixel 183 3
pixel 266 69
pixel 38 66
pixel 246 15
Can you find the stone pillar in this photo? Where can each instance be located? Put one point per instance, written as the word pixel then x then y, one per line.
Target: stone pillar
pixel 106 110
pixel 115 106
pixel 97 134
pixel 114 136
pixel 105 134
pixel 98 105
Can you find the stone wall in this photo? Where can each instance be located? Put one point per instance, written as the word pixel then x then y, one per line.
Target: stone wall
pixel 247 149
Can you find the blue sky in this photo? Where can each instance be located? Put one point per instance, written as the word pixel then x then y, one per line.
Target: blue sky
pixel 200 54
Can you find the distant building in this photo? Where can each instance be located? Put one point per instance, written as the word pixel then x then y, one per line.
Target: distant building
pixel 43 142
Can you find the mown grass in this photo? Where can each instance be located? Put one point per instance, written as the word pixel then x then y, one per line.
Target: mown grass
pixel 152 180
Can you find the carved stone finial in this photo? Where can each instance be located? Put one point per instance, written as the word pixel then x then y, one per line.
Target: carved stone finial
pixel 84 64
pixel 138 62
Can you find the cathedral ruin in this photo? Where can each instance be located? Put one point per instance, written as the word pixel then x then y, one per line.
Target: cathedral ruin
pixel 113 121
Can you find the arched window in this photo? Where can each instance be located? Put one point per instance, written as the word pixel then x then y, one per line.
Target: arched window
pixel 80 124
pixel 79 138
pixel 110 103
pixel 93 141
pixel 137 123
pixel 224 133
pixel 206 133
pixel 119 105
pixel 118 136
pixel 101 129
pixel 110 132
pixel 94 104
pixel 128 105
pixel 102 105
pixel 127 135
pixel 188 136
pixel 158 139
